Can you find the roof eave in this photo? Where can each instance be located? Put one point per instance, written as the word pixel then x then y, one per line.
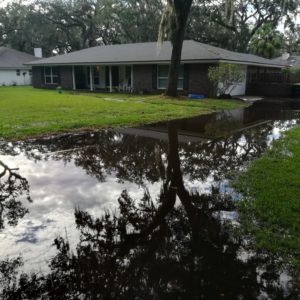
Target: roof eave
pixel 258 64
pixel 16 68
pixel 187 61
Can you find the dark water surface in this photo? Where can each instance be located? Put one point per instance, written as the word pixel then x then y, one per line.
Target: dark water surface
pixel 137 213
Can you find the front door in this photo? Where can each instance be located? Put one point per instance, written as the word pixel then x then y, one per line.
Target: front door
pixel 80 77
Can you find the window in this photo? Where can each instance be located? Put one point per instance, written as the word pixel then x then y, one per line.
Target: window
pixel 30 72
pixel 162 77
pixel 18 72
pixel 51 75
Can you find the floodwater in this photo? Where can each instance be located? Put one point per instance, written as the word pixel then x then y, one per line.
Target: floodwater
pixel 137 213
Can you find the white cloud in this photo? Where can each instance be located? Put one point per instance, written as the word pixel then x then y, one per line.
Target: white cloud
pixel 56 189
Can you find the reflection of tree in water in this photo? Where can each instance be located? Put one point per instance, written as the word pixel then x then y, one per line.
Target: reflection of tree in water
pixel 165 249
pixel 9 271
pixel 13 188
pixel 141 160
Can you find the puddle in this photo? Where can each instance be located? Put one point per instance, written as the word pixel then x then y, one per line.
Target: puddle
pixel 165 191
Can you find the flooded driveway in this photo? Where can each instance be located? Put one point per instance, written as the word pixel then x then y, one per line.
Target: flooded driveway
pixel 138 213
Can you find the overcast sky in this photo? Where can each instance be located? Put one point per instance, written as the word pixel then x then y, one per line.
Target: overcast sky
pixel 4 2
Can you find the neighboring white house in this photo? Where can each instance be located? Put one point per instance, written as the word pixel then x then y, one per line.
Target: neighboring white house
pixel 12 68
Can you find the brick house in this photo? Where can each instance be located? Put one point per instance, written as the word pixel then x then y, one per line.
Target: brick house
pixel 140 67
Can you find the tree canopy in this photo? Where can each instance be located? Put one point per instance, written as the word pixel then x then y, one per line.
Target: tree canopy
pixel 61 26
pixel 231 24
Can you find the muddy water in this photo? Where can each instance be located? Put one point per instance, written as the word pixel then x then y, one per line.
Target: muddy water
pixel 138 213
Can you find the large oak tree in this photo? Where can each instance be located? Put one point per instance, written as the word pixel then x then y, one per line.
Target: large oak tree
pixel 173 25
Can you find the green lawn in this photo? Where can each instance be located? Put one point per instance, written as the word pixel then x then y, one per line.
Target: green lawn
pixel 29 112
pixel 270 211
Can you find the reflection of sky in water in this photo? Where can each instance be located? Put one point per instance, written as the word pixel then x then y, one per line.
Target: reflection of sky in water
pixel 278 130
pixel 57 188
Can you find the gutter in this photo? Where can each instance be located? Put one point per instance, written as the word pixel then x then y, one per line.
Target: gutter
pixel 203 61
pixel 15 68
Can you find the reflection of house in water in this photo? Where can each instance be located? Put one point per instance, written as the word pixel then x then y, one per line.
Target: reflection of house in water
pixel 217 125
pixel 199 129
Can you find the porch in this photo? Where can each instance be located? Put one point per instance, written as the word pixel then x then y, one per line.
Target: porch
pixel 103 78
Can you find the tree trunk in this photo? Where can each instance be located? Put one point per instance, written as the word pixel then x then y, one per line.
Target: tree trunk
pixel 182 10
pixel 175 64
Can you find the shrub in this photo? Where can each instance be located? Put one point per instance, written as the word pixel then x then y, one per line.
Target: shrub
pixel 225 77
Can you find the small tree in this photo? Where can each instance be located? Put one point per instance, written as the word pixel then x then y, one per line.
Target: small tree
pixel 225 77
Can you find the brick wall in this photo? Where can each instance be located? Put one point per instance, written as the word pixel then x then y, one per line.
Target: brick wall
pixel 66 80
pixel 37 77
pixel 142 78
pixel 198 80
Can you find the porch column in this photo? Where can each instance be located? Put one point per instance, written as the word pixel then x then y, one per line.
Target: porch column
pixel 73 78
pixel 110 80
pixel 91 79
pixel 131 78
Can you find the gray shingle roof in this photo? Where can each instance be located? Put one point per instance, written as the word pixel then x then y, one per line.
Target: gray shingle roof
pixel 293 61
pixel 13 59
pixel 149 53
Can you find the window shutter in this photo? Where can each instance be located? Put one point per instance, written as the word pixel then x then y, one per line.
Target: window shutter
pixel 115 75
pixel 59 74
pixel 185 77
pixel 154 77
pixel 41 70
pixel 106 76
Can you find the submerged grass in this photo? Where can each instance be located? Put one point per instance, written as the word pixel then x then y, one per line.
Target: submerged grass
pixel 25 111
pixel 270 211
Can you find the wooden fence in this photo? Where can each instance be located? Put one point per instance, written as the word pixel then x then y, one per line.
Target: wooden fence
pixel 275 84
pixel 280 77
